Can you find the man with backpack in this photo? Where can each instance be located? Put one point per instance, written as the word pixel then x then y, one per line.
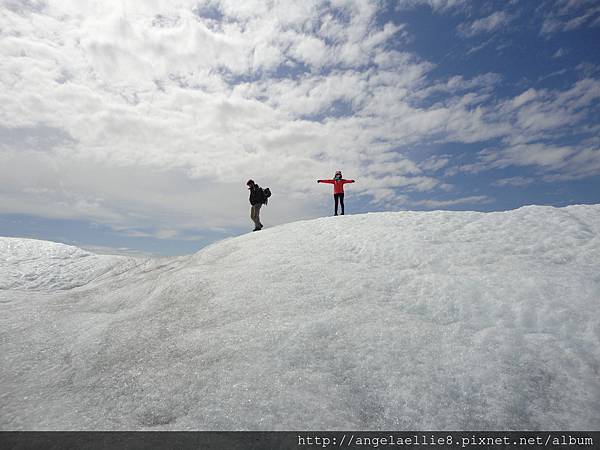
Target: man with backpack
pixel 258 197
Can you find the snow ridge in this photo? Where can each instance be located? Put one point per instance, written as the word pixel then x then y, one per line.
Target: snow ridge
pixel 29 264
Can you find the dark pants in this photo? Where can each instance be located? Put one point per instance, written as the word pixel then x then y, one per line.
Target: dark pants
pixel 255 216
pixel 340 198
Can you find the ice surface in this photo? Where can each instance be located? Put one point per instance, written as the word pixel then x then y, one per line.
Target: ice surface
pixel 29 264
pixel 406 320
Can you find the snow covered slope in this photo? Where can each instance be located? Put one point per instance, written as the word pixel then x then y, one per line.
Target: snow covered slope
pixel 407 320
pixel 31 264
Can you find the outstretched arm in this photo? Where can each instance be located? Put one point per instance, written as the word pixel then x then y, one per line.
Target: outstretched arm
pixel 348 181
pixel 325 181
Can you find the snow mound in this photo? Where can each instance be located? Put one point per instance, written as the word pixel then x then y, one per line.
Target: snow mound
pixel 29 264
pixel 407 320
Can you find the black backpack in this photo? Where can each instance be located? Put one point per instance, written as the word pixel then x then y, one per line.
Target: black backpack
pixel 266 193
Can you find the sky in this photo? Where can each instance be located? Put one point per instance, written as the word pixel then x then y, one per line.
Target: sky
pixel 133 126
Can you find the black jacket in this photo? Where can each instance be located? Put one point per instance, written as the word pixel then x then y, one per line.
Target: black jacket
pixel 256 195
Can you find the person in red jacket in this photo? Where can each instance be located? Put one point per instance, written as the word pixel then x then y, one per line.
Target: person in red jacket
pixel 338 189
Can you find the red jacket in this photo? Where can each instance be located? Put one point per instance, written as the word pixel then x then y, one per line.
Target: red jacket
pixel 338 185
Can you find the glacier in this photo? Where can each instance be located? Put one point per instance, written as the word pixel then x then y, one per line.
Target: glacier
pixel 381 321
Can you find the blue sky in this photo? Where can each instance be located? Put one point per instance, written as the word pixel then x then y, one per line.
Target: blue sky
pixel 132 128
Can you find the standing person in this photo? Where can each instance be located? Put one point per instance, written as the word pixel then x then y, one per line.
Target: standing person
pixel 256 200
pixel 338 189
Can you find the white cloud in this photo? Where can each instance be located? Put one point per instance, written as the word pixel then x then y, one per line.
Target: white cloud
pixel 513 181
pixel 568 15
pixel 436 5
pixel 531 121
pixel 487 24
pixel 312 51
pixel 559 53
pixel 584 163
pixel 523 98
pixel 554 162
pixel 435 163
pixel 532 155
pixel 542 112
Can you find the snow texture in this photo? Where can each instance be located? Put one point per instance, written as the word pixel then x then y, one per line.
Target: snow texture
pixel 405 320
pixel 29 264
